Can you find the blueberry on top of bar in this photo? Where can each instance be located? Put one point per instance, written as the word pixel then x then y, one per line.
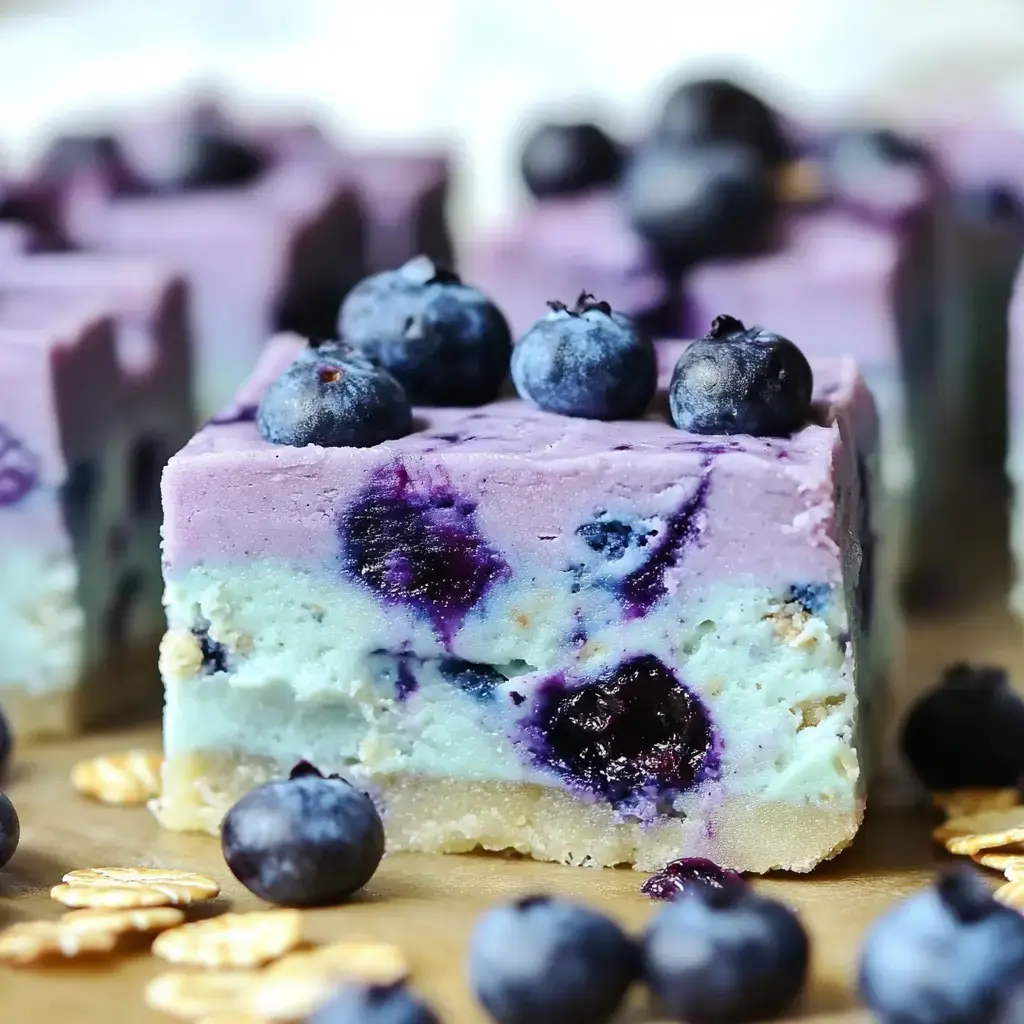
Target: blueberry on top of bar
pixel 700 201
pixel 445 341
pixel 335 397
pixel 737 380
pixel 587 361
pixel 717 110
pixel 564 159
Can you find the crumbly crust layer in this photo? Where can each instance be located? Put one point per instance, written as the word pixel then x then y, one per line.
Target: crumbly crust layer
pixel 448 816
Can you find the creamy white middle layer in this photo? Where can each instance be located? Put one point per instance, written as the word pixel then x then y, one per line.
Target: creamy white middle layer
pixel 304 680
pixel 41 620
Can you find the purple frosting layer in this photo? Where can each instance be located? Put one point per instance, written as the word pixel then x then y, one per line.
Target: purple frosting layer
pixel 519 482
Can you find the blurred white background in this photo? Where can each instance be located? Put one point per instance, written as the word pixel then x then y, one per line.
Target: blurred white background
pixel 474 69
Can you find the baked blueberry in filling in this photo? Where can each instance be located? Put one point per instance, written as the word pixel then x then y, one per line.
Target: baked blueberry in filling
pixel 418 544
pixel 634 732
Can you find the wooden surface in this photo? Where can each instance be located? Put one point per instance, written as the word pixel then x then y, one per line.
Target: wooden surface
pixel 427 905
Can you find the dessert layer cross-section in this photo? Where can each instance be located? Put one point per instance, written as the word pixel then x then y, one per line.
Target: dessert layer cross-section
pixel 94 374
pixel 590 642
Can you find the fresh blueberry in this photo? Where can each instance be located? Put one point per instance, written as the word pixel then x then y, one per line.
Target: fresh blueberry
pixel 967 731
pixel 446 342
pixel 19 469
pixel 998 202
pixel 723 955
pixel 633 731
pixel 698 203
pixel 564 159
pixel 586 361
pixel 308 840
pixel 334 396
pixel 682 875
pixel 215 159
pixel 739 381
pixel 951 954
pixel 101 155
pixel 714 110
pixel 6 743
pixel 10 829
pixel 876 169
pixel 543 960
pixel 374 1004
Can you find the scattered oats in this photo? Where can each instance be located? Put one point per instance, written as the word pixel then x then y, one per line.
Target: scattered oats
pixel 959 803
pixel 128 779
pixel 298 984
pixel 124 922
pixel 1012 894
pixel 998 861
pixel 152 887
pixel 198 995
pixel 986 830
pixel 33 941
pixel 232 940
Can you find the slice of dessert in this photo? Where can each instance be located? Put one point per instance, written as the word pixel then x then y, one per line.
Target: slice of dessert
pixel 252 235
pixel 153 351
pixel 586 638
pixel 63 395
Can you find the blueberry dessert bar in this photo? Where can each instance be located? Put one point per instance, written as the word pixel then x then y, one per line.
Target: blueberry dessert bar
pixel 258 239
pixel 96 515
pixel 833 238
pixel 61 401
pixel 549 624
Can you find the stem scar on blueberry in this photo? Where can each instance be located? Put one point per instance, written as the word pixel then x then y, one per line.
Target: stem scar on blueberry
pixel 585 302
pixel 330 375
pixel 724 327
pixel 303 769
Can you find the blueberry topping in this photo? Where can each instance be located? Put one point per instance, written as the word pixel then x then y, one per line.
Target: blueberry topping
pixel 634 731
pixel 700 202
pixel 308 840
pixel 418 544
pixel 967 731
pixel 565 159
pixel 814 598
pixel 586 361
pixel 715 110
pixel 71 155
pixel 875 168
pixel 475 679
pixel 374 1004
pixel 951 954
pixel 333 396
pixel 997 202
pixel 19 469
pixel 215 159
pixel 10 829
pixel 544 960
pixel 682 875
pixel 724 955
pixel 739 381
pixel 445 341
pixel 6 743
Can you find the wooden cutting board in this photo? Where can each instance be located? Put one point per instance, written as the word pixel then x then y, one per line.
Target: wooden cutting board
pixel 427 905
